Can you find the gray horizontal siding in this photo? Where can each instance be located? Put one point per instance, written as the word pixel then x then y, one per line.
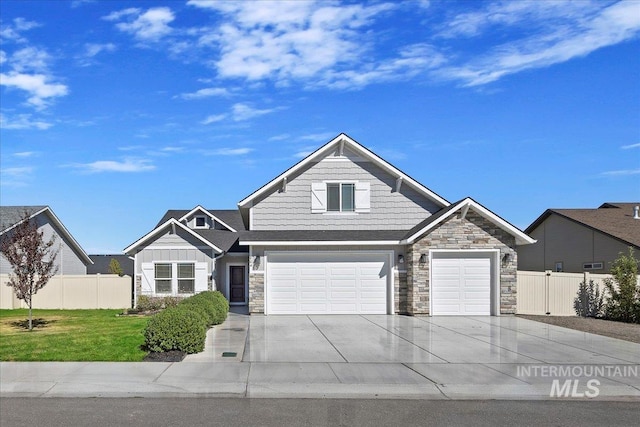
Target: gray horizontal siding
pixel 67 261
pixel 180 238
pixel 291 210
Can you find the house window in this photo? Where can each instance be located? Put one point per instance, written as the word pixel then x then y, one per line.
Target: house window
pixel 593 265
pixel 340 197
pixel 163 274
pixel 186 278
pixel 559 266
pixel 201 222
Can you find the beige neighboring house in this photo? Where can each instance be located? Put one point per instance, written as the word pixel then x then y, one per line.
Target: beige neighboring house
pixel 71 260
pixel 579 240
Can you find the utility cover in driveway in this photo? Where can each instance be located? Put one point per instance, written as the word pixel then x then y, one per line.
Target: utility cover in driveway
pixel 461 284
pixel 320 283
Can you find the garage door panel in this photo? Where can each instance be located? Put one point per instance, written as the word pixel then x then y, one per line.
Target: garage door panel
pixel 461 284
pixel 327 283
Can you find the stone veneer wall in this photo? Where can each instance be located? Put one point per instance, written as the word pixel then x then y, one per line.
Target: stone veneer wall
pixel 473 232
pixel 400 292
pixel 256 292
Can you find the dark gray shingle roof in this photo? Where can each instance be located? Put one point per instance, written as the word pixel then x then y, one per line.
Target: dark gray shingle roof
pixel 11 215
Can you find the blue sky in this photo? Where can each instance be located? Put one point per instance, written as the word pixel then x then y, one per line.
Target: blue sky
pixel 113 112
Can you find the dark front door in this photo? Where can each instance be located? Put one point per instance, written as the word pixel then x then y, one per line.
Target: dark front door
pixel 236 284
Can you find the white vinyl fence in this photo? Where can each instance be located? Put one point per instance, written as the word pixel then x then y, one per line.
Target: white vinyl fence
pixel 74 292
pixel 552 293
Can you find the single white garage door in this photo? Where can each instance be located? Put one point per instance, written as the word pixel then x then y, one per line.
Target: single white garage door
pixel 327 283
pixel 461 284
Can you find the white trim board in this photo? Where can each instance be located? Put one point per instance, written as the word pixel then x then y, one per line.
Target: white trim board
pixel 207 213
pixel 323 243
pixel 159 229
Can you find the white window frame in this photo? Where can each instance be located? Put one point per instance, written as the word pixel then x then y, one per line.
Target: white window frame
pixel 340 211
pixel 195 221
pixel 169 279
pixel 192 278
pixel 174 279
pixel 597 265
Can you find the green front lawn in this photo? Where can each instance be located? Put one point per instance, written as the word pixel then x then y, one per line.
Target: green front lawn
pixel 71 335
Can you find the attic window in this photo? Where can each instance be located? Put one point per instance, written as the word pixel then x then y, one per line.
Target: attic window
pixel 201 222
pixel 340 197
pixel 593 266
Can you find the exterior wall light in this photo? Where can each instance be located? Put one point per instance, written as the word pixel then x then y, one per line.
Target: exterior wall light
pixel 256 261
pixel 423 259
pixel 400 259
pixel 505 259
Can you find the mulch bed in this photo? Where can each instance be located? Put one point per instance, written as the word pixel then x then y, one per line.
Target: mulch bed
pixel 167 356
pixel 608 328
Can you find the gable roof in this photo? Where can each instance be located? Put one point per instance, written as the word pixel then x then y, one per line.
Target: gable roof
pixel 465 204
pixel 11 216
pixel 230 218
pixel 209 214
pixel 171 222
pixel 344 141
pixel 613 219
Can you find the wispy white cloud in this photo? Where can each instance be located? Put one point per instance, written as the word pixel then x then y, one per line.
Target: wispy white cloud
pixel 129 165
pixel 319 137
pixel 240 112
pixel 25 154
pixel 281 137
pixel 131 147
pixel 628 147
pixel 584 28
pixel 22 121
pixel 13 32
pixel 92 49
pixel 227 151
pixel 78 3
pixel 38 86
pixel 15 176
pixel 213 119
pixel 622 172
pixel 172 149
pixel 206 93
pixel 150 25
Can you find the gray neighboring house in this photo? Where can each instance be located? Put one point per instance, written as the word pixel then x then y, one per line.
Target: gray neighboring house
pixel 71 260
pixel 579 240
pixel 340 232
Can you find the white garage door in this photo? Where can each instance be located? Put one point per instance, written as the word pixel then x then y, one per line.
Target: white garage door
pixel 321 283
pixel 461 284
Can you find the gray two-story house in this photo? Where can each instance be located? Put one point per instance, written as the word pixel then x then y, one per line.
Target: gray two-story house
pixel 340 232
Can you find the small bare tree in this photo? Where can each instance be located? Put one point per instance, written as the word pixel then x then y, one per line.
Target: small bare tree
pixel 32 260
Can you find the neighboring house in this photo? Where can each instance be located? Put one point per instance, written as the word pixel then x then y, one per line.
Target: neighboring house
pixel 579 240
pixel 71 259
pixel 342 231
pixel 101 264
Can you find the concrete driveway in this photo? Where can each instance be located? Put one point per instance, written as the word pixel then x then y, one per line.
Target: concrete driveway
pixel 402 339
pixel 373 356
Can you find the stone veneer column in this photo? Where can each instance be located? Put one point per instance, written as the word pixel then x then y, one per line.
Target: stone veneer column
pixel 256 292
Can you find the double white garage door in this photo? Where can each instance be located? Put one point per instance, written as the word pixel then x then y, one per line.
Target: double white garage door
pixel 333 283
pixel 359 283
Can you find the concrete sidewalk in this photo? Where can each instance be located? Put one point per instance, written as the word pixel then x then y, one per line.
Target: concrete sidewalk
pixel 358 357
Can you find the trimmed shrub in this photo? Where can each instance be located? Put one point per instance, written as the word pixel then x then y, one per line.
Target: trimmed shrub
pixel 147 303
pixel 176 329
pixel 168 302
pixel 215 304
pixel 201 305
